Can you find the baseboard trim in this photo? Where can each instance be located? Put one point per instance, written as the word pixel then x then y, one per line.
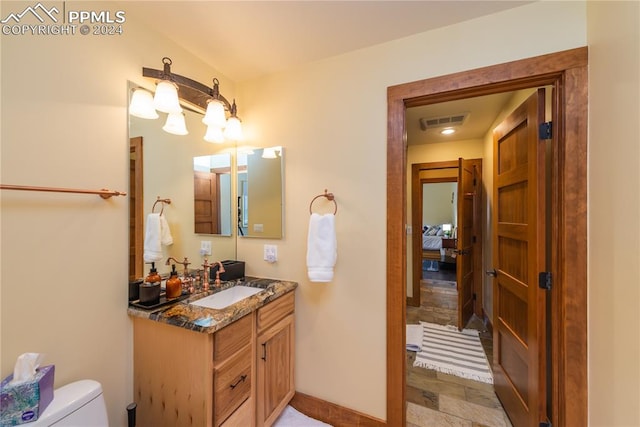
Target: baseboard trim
pixel 330 413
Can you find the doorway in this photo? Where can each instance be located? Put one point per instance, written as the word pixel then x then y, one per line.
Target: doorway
pixel 566 72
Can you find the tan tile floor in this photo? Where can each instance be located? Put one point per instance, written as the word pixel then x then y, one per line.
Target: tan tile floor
pixel 435 399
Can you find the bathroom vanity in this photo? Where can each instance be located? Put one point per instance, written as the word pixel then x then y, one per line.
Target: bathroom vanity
pixel 198 366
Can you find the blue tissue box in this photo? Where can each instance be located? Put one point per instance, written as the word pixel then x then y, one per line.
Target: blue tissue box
pixel 24 402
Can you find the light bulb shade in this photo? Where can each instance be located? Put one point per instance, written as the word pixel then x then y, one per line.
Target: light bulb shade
pixel 166 97
pixel 215 114
pixel 214 134
pixel 175 124
pixel 233 130
pixel 142 105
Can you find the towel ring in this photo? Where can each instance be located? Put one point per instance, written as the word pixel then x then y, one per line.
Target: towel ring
pixel 163 201
pixel 329 197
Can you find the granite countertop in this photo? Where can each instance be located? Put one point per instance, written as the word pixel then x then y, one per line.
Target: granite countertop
pixel 208 320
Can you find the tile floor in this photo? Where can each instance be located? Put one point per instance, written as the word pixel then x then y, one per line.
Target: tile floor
pixel 435 399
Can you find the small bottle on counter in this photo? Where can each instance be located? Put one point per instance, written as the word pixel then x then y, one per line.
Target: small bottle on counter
pixel 174 284
pixel 150 289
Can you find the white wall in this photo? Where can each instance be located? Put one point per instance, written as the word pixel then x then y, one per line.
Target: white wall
pixel 614 213
pixel 331 117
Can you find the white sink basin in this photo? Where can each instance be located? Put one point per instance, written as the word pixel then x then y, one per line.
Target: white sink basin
pixel 227 297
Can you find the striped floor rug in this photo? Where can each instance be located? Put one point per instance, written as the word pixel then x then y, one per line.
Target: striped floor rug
pixel 447 350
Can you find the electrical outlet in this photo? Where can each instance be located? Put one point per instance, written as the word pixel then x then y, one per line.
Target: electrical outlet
pixel 205 247
pixel 270 253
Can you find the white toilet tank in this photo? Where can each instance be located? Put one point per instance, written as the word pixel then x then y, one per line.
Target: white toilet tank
pixel 79 404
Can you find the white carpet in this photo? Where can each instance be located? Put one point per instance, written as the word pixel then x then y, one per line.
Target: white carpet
pixel 292 418
pixel 447 350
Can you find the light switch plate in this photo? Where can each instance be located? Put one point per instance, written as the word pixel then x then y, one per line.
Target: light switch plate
pixel 270 253
pixel 205 247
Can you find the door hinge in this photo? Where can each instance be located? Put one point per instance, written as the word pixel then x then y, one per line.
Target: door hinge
pixel 473 239
pixel 474 296
pixel 545 130
pixel 474 182
pixel 544 280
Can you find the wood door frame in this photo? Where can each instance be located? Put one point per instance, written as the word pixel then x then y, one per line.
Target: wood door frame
pixel 135 148
pixel 416 218
pixel 567 72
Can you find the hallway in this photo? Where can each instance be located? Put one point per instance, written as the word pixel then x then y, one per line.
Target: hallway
pixel 437 399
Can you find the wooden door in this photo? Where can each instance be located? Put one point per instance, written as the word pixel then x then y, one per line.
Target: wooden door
pixel 465 243
pixel 518 256
pixel 136 240
pixel 206 199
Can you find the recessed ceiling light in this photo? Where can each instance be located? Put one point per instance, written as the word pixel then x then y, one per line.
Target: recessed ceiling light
pixel 447 131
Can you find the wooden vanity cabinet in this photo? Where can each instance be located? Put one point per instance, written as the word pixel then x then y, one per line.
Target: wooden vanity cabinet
pixel 275 358
pixel 239 376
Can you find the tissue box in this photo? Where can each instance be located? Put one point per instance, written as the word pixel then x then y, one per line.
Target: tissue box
pixel 24 402
pixel 232 270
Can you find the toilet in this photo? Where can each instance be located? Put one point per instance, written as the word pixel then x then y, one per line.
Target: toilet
pixel 79 404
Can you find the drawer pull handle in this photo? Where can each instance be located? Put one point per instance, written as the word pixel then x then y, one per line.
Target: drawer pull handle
pixel 242 378
pixel 264 351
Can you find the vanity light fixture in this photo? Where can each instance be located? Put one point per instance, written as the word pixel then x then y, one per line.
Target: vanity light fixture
pixel 172 88
pixel 175 124
pixel 142 104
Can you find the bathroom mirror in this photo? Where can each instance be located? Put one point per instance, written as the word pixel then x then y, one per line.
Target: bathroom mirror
pixel 162 166
pixel 260 192
pixel 212 194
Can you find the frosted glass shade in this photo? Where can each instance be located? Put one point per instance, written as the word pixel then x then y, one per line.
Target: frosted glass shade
pixel 214 134
pixel 175 124
pixel 215 114
pixel 142 105
pixel 233 130
pixel 166 98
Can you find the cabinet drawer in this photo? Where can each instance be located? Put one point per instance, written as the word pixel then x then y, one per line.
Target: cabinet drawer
pixel 242 417
pixel 231 385
pixel 275 310
pixel 231 338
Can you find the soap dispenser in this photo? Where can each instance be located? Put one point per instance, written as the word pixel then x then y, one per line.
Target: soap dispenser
pixel 150 288
pixel 174 284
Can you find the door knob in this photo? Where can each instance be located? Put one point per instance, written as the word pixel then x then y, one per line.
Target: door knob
pixel 492 273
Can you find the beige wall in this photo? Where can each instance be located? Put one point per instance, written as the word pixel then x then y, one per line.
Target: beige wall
pixel 75 90
pixel 338 141
pixel 64 256
pixel 614 213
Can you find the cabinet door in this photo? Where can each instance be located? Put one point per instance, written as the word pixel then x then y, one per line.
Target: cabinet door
pixel 275 370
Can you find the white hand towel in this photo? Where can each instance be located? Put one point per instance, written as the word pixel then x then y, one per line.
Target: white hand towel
pixel 414 337
pixel 165 232
pixel 321 247
pixel 152 239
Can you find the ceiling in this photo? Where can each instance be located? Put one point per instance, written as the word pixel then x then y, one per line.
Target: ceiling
pixel 247 39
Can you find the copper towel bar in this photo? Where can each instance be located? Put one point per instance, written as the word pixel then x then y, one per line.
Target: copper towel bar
pixel 104 193
pixel 329 197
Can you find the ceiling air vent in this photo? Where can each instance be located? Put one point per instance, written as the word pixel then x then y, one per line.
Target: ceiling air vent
pixel 443 121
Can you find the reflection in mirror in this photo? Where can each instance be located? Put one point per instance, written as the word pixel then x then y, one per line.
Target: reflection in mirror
pixel 212 194
pixel 165 169
pixel 260 193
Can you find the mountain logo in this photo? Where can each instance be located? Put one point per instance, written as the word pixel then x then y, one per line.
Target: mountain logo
pixel 39 11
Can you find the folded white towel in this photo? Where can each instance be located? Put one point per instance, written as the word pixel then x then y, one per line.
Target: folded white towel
pixel 414 337
pixel 321 247
pixel 152 238
pixel 165 232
